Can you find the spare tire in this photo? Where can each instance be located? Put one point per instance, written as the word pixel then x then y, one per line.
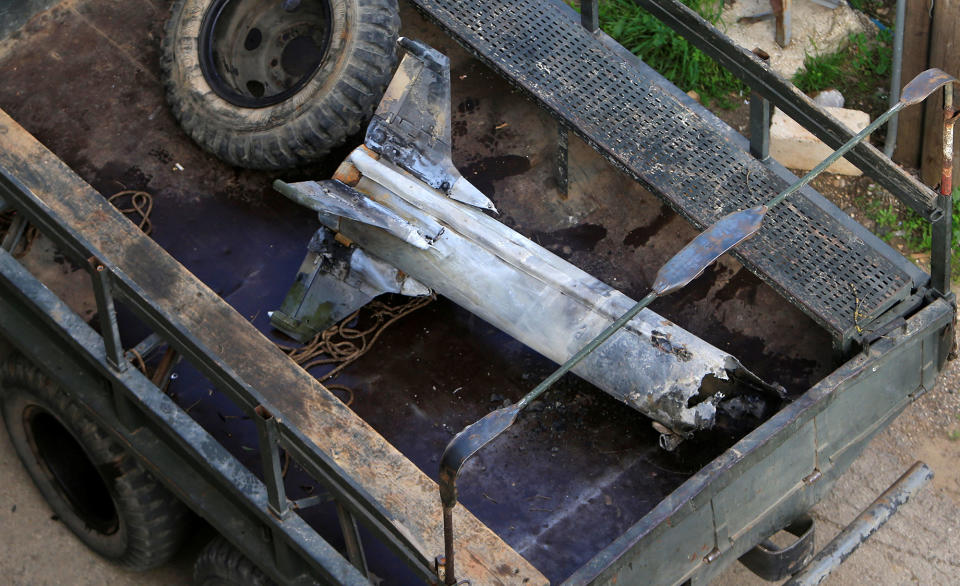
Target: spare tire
pixel 272 84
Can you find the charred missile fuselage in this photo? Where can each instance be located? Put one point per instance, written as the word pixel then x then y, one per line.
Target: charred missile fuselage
pixel 400 200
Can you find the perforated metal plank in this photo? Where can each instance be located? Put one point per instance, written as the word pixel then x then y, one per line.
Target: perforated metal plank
pixel 817 262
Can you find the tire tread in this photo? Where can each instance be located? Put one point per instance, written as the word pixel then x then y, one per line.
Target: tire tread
pixel 156 521
pixel 321 124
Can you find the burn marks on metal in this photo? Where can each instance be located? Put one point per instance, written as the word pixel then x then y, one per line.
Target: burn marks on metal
pixel 661 341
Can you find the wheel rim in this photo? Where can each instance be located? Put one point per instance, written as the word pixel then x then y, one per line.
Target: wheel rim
pixel 70 470
pixel 257 53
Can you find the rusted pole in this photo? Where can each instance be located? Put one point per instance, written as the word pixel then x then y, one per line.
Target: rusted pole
pixel 945 55
pixel 942 230
pixel 949 117
pixel 781 14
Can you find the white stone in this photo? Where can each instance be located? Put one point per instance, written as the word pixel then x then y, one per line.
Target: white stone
pixel 829 99
pixel 797 148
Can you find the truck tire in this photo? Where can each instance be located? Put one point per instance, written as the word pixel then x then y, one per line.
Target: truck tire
pixel 92 483
pixel 272 84
pixel 221 564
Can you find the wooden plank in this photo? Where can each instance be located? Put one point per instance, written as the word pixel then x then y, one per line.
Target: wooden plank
pixel 408 495
pixel 945 54
pixel 916 41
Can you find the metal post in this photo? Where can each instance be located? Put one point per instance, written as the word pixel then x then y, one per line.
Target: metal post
pixel 941 230
pixel 449 575
pixel 351 537
pixel 940 247
pixel 563 160
pixel 890 143
pixel 270 459
pixel 126 411
pixel 102 291
pixel 116 357
pixel 283 557
pixel 781 12
pixel 760 113
pixel 590 15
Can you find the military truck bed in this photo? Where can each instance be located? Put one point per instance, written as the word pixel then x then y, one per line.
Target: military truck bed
pixel 581 471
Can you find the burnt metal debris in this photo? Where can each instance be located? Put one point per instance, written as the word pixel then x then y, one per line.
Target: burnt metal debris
pixel 531 294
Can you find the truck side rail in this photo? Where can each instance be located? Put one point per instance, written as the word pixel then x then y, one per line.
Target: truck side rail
pixel 369 478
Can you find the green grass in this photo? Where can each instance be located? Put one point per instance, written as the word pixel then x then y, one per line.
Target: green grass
pixel 857 70
pixel 893 222
pixel 669 53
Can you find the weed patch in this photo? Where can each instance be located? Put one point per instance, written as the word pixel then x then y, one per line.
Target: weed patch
pixel 669 53
pixel 860 70
pixel 893 222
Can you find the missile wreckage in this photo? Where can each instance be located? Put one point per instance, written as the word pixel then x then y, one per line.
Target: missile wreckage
pixel 416 225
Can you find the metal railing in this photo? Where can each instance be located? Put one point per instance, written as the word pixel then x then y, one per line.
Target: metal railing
pixel 770 89
pixel 299 553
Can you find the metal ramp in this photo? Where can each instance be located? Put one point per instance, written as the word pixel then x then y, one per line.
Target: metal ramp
pixel 809 251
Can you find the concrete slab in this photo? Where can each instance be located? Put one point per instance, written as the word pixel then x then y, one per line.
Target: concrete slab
pixel 795 147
